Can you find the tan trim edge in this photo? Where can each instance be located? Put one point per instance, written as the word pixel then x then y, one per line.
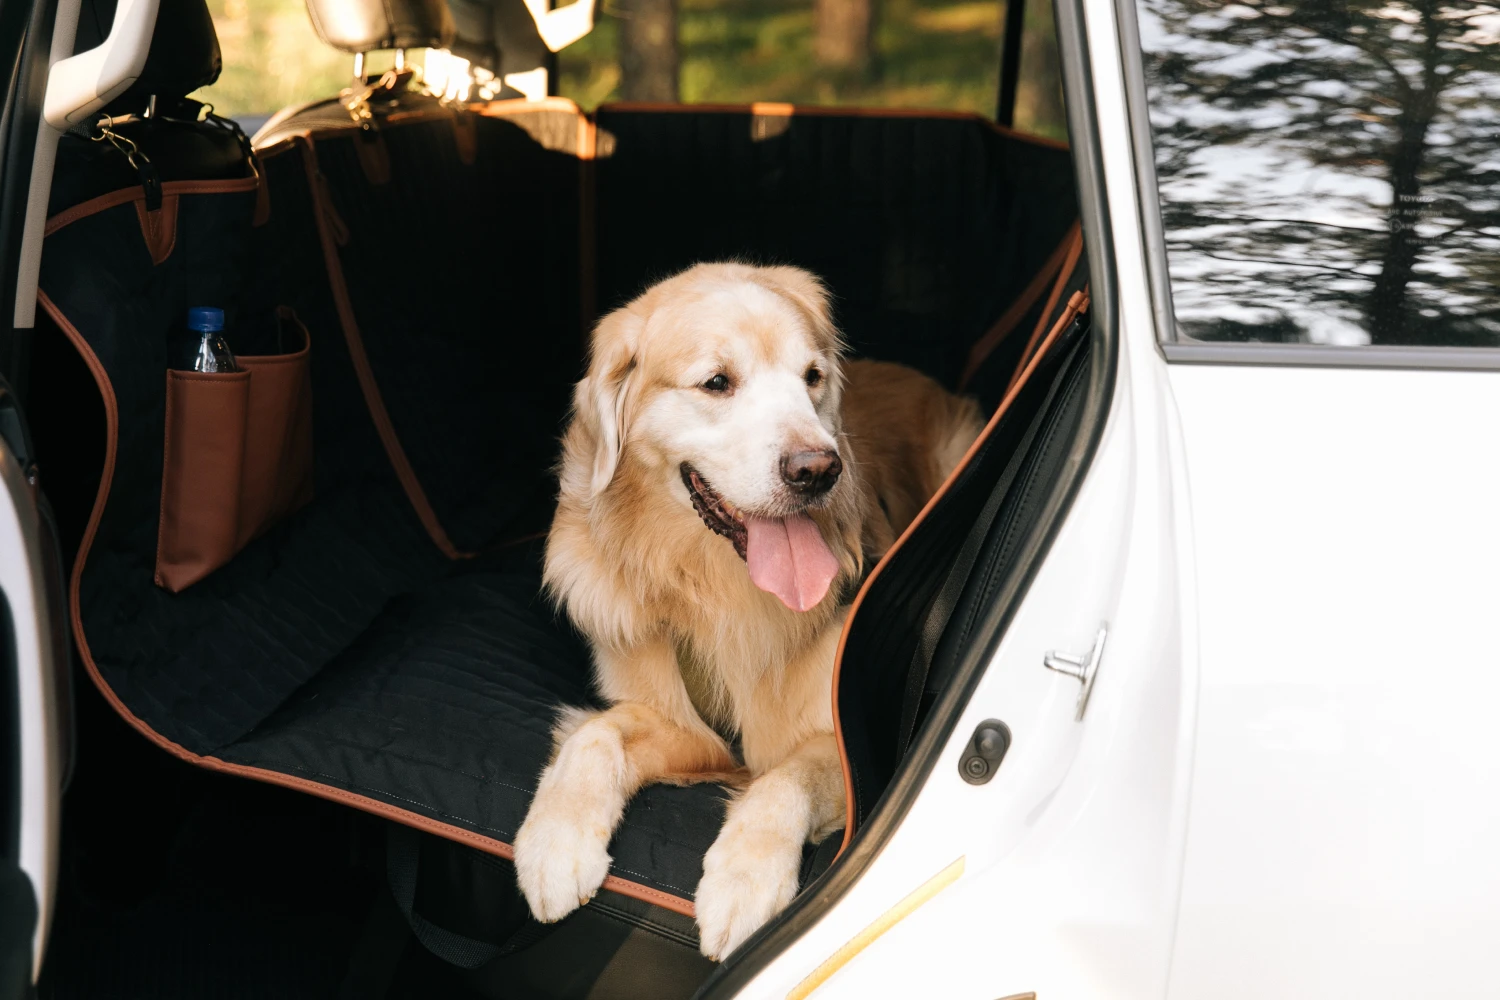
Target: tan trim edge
pixel 523 105
pixel 364 803
pixel 368 385
pixel 890 918
pixel 779 109
pixel 997 333
pixel 1075 250
pixel 1017 384
pixel 485 109
pixel 124 196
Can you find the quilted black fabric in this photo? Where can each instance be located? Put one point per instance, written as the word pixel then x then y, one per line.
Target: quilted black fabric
pixel 464 279
pixel 925 229
pixel 206 666
pixel 342 646
pixel 445 705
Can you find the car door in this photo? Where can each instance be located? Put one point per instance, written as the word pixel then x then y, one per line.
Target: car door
pixel 1326 247
pixel 48 90
pixel 1059 874
pixel 33 706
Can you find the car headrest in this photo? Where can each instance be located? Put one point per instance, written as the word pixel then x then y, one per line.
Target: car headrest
pixel 184 52
pixel 474 33
pixel 368 25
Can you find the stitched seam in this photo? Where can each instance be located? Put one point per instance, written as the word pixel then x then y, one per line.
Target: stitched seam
pixel 386 751
pixel 343 782
pixel 653 878
pixel 428 808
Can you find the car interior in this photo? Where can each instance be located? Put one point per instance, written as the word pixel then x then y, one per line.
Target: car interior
pixel 315 675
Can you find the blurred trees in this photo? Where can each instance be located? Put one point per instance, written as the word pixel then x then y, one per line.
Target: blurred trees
pixel 648 50
pixel 1331 167
pixel 929 53
pixel 844 33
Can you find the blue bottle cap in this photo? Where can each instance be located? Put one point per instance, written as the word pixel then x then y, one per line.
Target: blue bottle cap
pixel 205 318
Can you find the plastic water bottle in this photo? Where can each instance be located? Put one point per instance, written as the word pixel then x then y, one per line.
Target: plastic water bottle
pixel 212 353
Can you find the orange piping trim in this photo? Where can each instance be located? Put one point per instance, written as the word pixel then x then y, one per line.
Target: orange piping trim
pixel 134 193
pixel 1081 300
pixel 996 334
pixel 1074 252
pixel 769 108
pixel 521 105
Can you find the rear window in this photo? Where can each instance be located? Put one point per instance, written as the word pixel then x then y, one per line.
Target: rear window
pixel 937 54
pixel 1329 172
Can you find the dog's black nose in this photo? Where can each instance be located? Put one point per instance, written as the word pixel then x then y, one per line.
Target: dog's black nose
pixel 811 473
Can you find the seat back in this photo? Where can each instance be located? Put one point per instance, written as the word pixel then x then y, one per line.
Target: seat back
pixel 926 226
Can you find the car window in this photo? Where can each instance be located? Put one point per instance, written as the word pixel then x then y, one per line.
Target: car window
pixel 940 54
pixel 1329 170
pixel 880 53
pixel 272 59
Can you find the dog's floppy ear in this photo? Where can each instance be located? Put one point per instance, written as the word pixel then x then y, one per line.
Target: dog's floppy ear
pixel 603 398
pixel 810 295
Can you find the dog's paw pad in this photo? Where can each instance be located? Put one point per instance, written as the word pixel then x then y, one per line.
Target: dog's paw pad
pixel 559 866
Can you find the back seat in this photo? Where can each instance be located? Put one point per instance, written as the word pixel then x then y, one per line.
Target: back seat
pixel 384 645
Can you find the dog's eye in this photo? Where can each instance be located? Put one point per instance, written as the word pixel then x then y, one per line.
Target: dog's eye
pixel 719 383
pixel 813 376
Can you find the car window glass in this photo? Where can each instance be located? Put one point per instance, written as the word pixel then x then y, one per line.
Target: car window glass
pixel 941 54
pixel 1039 95
pixel 1329 170
pixel 272 59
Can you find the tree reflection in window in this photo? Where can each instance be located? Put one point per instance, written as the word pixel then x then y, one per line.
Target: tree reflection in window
pixel 1329 170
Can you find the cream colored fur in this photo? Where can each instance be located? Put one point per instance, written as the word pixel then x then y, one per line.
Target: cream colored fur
pixel 686 648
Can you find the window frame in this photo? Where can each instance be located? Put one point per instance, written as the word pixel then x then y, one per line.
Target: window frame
pixel 1172 346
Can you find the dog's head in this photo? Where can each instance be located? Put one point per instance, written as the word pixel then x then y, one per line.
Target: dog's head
pixel 723 383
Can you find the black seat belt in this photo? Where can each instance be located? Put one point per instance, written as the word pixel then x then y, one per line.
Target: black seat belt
pixel 403 853
pixel 940 611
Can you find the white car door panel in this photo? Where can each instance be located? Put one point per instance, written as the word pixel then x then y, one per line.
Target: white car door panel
pixel 35 760
pixel 1344 818
pixel 1071 853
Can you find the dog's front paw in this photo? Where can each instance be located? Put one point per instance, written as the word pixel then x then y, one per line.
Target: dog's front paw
pixel 749 876
pixel 560 862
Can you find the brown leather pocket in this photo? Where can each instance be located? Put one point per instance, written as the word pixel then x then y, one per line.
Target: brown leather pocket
pixel 237 458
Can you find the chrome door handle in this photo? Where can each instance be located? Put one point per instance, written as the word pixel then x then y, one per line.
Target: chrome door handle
pixel 1083 668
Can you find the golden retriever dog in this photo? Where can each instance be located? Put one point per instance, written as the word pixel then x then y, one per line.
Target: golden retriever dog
pixel 725 482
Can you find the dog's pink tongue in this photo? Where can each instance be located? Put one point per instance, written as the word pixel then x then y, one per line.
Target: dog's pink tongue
pixel 789 558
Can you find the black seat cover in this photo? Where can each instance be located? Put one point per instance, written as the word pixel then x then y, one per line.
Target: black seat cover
pixel 342 652
pixel 184 57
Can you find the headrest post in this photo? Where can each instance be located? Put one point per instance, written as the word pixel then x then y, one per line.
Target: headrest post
pixel 150 107
pixel 365 26
pixel 359 66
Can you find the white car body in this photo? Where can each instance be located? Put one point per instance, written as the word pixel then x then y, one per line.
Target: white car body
pixel 1284 785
